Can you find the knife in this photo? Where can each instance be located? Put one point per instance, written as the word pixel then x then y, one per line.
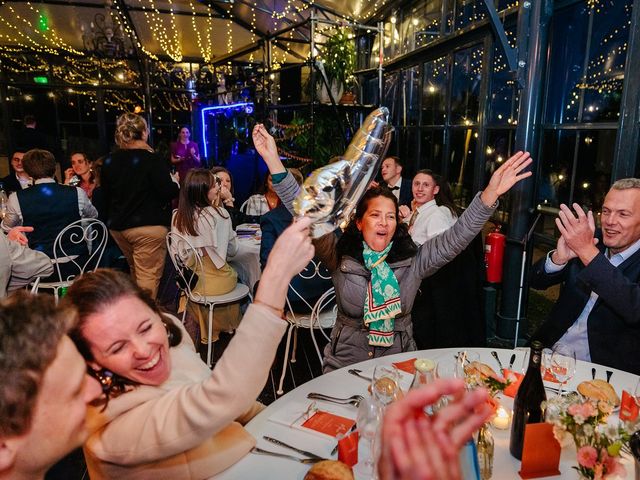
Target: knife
pixel 301 452
pixel 512 361
pixel 494 354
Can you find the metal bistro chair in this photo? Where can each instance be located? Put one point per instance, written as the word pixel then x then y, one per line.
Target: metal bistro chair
pixel 320 317
pixel 182 252
pixel 89 231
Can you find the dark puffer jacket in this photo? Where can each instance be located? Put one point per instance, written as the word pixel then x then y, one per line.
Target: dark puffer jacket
pixel 349 342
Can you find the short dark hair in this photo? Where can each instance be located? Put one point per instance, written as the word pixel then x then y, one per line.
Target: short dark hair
pixel 31 328
pixel 395 159
pixel 39 163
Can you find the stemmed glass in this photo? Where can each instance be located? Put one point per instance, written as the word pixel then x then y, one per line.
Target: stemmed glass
pixel 368 421
pixel 636 393
pixel 563 364
pixel 385 384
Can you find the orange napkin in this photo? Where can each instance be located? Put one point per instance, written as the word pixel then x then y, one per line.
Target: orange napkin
pixel 407 366
pixel 628 407
pixel 329 424
pixel 541 452
pixel 348 449
pixel 516 379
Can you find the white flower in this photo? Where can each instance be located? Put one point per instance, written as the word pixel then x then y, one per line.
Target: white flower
pixel 587 429
pixel 579 419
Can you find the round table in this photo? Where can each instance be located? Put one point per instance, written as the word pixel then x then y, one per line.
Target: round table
pixel 247 261
pixel 340 383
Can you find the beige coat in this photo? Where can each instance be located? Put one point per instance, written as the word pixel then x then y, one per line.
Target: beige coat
pixel 187 428
pixel 19 265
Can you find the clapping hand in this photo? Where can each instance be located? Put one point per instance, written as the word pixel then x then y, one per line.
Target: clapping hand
pixel 417 446
pixel 506 177
pixel 405 212
pixel 577 232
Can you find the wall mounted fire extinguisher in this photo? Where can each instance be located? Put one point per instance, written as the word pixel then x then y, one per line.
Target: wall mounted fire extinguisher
pixel 494 254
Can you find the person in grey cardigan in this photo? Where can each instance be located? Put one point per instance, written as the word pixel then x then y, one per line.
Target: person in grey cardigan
pixel 375 266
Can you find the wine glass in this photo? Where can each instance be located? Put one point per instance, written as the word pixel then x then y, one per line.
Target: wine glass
pixel 368 421
pixel 636 393
pixel 385 384
pixel 562 364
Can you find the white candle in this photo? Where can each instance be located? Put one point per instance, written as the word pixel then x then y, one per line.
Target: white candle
pixel 502 419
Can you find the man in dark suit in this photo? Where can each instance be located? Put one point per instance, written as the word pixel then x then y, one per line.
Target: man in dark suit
pixel 391 171
pixel 17 178
pixel 598 312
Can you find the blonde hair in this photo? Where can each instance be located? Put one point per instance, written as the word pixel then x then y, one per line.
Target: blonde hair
pixel 129 127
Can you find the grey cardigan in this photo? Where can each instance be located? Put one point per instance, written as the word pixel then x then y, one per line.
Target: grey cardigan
pixel 350 278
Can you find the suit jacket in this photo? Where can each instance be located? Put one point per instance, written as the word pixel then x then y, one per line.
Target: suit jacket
pixel 10 183
pixel 614 322
pixel 406 194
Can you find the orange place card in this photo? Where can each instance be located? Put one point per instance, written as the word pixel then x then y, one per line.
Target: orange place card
pixel 516 379
pixel 628 407
pixel 348 449
pixel 407 366
pixel 548 377
pixel 328 423
pixel 541 451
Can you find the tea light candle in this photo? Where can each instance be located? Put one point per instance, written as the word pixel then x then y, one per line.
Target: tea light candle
pixel 502 418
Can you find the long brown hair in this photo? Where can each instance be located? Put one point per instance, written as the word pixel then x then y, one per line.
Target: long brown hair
pixel 94 292
pixel 194 198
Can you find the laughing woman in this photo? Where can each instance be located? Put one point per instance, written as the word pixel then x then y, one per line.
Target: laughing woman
pixel 164 414
pixel 375 266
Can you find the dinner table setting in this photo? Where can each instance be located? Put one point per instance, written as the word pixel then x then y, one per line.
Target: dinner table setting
pixel 317 420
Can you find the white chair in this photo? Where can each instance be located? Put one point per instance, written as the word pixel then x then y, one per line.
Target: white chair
pixel 89 231
pixel 320 317
pixel 182 253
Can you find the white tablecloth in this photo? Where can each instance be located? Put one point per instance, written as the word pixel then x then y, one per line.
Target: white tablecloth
pixel 342 384
pixel 247 261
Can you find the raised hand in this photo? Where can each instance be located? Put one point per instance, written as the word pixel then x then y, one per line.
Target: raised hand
pixel 265 146
pixel 506 177
pixel 578 231
pixel 68 175
pixel 417 446
pixel 405 212
pixel 292 251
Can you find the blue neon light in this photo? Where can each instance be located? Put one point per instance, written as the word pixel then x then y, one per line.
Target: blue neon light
pixel 219 107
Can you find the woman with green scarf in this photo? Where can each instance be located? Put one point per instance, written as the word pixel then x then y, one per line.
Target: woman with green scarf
pixel 376 268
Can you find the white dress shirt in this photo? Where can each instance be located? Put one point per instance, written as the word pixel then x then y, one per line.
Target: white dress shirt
pixel 431 220
pixel 578 335
pixel 396 192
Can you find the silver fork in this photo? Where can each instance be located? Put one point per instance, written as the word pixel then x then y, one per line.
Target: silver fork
pixel 358 373
pixel 352 400
pixel 260 451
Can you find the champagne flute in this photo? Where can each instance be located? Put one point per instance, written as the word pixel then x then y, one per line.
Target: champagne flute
pixel 385 384
pixel 368 422
pixel 563 364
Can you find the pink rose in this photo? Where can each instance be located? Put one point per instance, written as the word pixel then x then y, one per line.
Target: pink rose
pixel 587 456
pixel 574 409
pixel 588 410
pixel 614 467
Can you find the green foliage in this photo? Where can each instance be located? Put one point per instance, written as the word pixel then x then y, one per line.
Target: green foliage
pixel 339 55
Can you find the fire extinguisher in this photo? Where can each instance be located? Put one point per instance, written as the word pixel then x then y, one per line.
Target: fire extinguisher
pixel 494 254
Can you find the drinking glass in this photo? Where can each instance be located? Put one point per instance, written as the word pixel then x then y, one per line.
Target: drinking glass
pixel 368 421
pixel 385 384
pixel 563 364
pixel 636 393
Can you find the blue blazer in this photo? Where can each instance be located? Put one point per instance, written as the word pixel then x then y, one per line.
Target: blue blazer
pixel 614 322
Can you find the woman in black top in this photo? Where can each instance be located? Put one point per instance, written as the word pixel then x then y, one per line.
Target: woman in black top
pixel 138 188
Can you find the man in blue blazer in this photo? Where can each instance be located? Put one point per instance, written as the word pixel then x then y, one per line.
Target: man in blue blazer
pixel 598 311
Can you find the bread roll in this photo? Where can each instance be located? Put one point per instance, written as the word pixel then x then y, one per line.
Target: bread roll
pixel 599 390
pixel 479 368
pixel 329 470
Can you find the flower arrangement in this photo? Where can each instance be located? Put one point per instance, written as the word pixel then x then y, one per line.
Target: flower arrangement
pixel 479 374
pixel 598 444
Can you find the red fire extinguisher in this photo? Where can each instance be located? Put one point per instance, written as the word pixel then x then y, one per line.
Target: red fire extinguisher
pixel 494 254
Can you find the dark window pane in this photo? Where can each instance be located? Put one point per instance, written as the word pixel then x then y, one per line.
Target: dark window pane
pixel 407 150
pixel 409 90
pixel 569 28
pixel 593 168
pixel 427 22
pixel 468 12
pixel 390 96
pixel 607 54
pixel 504 93
pixel 434 92
pixel 558 151
pixel 460 164
pixel 432 149
pixel 370 91
pixel 467 69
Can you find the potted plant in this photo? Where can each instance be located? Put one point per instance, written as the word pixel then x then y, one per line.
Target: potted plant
pixel 339 60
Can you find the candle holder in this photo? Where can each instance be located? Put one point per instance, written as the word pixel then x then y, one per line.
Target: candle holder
pixel 502 418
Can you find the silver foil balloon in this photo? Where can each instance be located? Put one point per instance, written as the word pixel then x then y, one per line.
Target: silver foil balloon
pixel 330 194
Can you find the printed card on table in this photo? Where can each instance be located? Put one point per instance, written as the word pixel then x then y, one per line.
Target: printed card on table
pixel 329 423
pixel 541 451
pixel 628 407
pixel 317 418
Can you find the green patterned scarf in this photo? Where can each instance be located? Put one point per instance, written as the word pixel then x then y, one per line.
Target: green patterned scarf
pixel 382 301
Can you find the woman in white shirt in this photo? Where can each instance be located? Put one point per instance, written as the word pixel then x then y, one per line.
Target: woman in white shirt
pixel 207 226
